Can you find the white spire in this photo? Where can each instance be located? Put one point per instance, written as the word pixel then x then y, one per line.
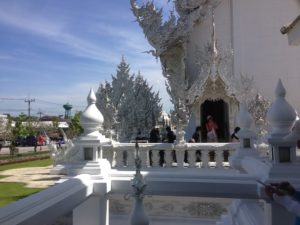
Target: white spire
pixel 281 114
pixel 91 119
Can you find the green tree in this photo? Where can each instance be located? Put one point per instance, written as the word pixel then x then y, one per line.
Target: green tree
pixel 75 129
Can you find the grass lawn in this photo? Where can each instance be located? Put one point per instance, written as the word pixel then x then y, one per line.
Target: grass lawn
pixel 11 192
pixel 22 155
pixel 35 163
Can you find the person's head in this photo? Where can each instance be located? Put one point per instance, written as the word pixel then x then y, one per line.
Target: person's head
pixel 198 128
pixel 168 128
pixel 237 129
pixel 209 117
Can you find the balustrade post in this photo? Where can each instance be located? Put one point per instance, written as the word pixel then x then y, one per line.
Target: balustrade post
pixel 180 157
pixel 219 158
pixel 155 158
pixel 130 158
pixel 204 158
pixel 168 158
pixel 120 158
pixel 144 154
pixel 191 157
pixel 114 158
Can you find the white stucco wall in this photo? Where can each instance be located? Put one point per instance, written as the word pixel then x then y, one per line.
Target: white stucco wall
pixel 260 50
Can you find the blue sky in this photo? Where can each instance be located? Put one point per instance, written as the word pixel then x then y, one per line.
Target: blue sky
pixel 55 50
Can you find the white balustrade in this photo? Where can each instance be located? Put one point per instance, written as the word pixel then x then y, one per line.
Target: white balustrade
pixel 161 154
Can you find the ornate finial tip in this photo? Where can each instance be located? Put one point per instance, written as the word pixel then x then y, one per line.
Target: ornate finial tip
pixel 91 97
pixel 280 90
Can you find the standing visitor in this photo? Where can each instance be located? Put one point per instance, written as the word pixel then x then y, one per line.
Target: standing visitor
pixel 235 138
pixel 154 135
pixel 196 138
pixel 170 138
pixel 197 135
pixel 211 128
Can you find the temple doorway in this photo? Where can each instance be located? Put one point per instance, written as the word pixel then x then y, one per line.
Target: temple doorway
pixel 219 111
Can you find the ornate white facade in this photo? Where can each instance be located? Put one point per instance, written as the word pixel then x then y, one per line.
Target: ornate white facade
pixel 248 44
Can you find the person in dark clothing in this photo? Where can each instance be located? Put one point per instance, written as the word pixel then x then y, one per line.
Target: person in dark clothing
pixel 170 138
pixel 235 138
pixel 154 136
pixel 197 135
pixel 196 138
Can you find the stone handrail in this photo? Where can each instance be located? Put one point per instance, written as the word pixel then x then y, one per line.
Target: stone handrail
pixel 51 202
pixel 199 155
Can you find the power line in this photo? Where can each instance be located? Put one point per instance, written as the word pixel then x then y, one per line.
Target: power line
pixel 13 99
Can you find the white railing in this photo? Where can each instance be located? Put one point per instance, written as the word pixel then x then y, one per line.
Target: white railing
pixel 194 155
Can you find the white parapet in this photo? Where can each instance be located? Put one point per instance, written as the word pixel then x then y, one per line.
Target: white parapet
pixel 49 204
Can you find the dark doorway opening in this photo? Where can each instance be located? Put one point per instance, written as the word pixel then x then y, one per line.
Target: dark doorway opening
pixel 219 111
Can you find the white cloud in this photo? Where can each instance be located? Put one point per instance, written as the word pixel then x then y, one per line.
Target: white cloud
pixel 56 31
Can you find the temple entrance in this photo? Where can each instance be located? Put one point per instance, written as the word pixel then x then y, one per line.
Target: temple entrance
pixel 219 111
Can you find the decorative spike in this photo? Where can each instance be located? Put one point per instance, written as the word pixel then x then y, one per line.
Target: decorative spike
pixel 91 99
pixel 280 91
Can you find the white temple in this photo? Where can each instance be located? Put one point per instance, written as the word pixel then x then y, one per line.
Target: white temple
pixel 99 176
pixel 212 46
pixel 224 186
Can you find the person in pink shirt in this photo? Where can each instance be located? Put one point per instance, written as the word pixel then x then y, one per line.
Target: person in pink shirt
pixel 211 128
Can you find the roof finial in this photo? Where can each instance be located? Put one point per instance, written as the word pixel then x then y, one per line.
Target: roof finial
pixel 214 67
pixel 280 90
pixel 214 40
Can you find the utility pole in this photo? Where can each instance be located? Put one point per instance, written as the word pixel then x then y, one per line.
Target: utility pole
pixel 29 100
pixel 40 113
